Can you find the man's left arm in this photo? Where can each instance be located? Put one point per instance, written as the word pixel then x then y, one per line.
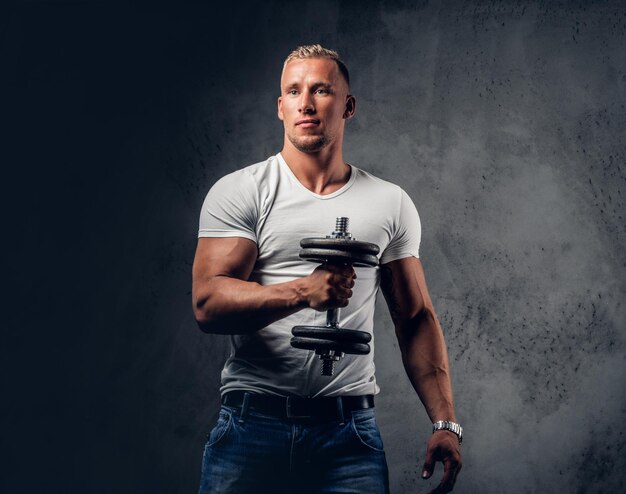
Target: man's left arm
pixel 425 359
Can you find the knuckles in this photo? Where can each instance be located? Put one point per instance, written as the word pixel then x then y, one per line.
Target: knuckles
pixel 332 286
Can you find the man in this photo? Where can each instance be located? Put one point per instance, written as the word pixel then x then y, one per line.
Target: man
pixel 283 426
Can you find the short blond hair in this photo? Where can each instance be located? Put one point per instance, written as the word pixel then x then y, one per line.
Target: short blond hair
pixel 318 51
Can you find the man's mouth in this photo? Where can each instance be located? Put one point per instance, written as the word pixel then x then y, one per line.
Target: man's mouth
pixel 307 122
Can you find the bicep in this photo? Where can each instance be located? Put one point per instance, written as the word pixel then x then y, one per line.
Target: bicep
pixel 404 286
pixel 228 256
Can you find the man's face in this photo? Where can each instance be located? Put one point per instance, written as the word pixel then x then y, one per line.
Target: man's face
pixel 314 103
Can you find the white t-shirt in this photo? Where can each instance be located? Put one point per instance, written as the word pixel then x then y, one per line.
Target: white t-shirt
pixel 267 204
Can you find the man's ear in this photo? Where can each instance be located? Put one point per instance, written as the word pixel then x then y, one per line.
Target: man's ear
pixel 350 107
pixel 280 108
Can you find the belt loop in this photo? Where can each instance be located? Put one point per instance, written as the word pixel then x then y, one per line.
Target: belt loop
pixel 340 415
pixel 244 407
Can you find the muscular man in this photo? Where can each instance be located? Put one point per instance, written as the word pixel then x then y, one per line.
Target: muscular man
pixel 284 427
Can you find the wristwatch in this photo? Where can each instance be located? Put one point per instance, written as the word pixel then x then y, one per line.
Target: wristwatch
pixel 449 426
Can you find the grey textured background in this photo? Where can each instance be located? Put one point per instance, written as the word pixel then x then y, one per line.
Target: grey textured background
pixel 504 121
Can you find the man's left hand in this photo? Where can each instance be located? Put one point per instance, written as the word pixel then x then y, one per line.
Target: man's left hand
pixel 443 446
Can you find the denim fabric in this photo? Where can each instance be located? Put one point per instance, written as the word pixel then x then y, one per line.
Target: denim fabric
pixel 258 454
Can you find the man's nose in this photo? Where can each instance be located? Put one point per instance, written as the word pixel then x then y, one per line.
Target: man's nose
pixel 306 103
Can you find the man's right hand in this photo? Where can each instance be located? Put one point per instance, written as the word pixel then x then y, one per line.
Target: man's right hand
pixel 329 286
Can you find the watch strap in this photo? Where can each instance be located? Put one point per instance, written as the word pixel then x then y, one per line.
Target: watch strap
pixel 446 425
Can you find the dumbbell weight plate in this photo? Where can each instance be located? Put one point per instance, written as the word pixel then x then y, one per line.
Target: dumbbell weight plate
pixel 338 257
pixel 340 244
pixel 335 334
pixel 326 345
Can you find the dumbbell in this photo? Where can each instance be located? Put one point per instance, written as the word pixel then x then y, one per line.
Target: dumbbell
pixel 331 342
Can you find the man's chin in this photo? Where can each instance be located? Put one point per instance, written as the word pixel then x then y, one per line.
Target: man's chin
pixel 311 144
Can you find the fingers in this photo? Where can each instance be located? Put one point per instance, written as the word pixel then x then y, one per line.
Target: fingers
pixel 331 286
pixel 450 471
pixel 429 464
pixel 343 289
pixel 341 278
pixel 445 448
pixel 342 293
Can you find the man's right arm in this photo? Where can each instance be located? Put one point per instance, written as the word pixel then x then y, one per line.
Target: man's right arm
pixel 225 302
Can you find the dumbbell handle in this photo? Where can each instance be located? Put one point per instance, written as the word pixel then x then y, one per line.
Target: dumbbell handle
pixel 332 317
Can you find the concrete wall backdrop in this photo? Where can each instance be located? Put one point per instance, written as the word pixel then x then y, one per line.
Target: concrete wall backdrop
pixel 504 121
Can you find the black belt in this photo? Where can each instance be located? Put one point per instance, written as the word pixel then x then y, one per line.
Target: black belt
pixel 296 407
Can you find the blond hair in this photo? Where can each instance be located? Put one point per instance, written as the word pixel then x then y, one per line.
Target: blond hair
pixel 318 51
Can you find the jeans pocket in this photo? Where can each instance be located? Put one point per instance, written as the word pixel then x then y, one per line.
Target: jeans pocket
pixel 366 429
pixel 224 421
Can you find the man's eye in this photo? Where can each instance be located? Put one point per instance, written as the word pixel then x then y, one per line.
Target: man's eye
pixel 292 92
pixel 322 91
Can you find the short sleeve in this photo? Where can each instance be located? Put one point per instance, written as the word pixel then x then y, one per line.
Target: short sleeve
pixel 230 209
pixel 406 233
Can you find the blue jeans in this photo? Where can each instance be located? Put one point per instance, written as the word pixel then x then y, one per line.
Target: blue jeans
pixel 257 453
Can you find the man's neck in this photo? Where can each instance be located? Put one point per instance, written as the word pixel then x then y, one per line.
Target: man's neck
pixel 323 172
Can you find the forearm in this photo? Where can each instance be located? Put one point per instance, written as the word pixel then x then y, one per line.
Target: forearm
pixel 425 360
pixel 232 306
